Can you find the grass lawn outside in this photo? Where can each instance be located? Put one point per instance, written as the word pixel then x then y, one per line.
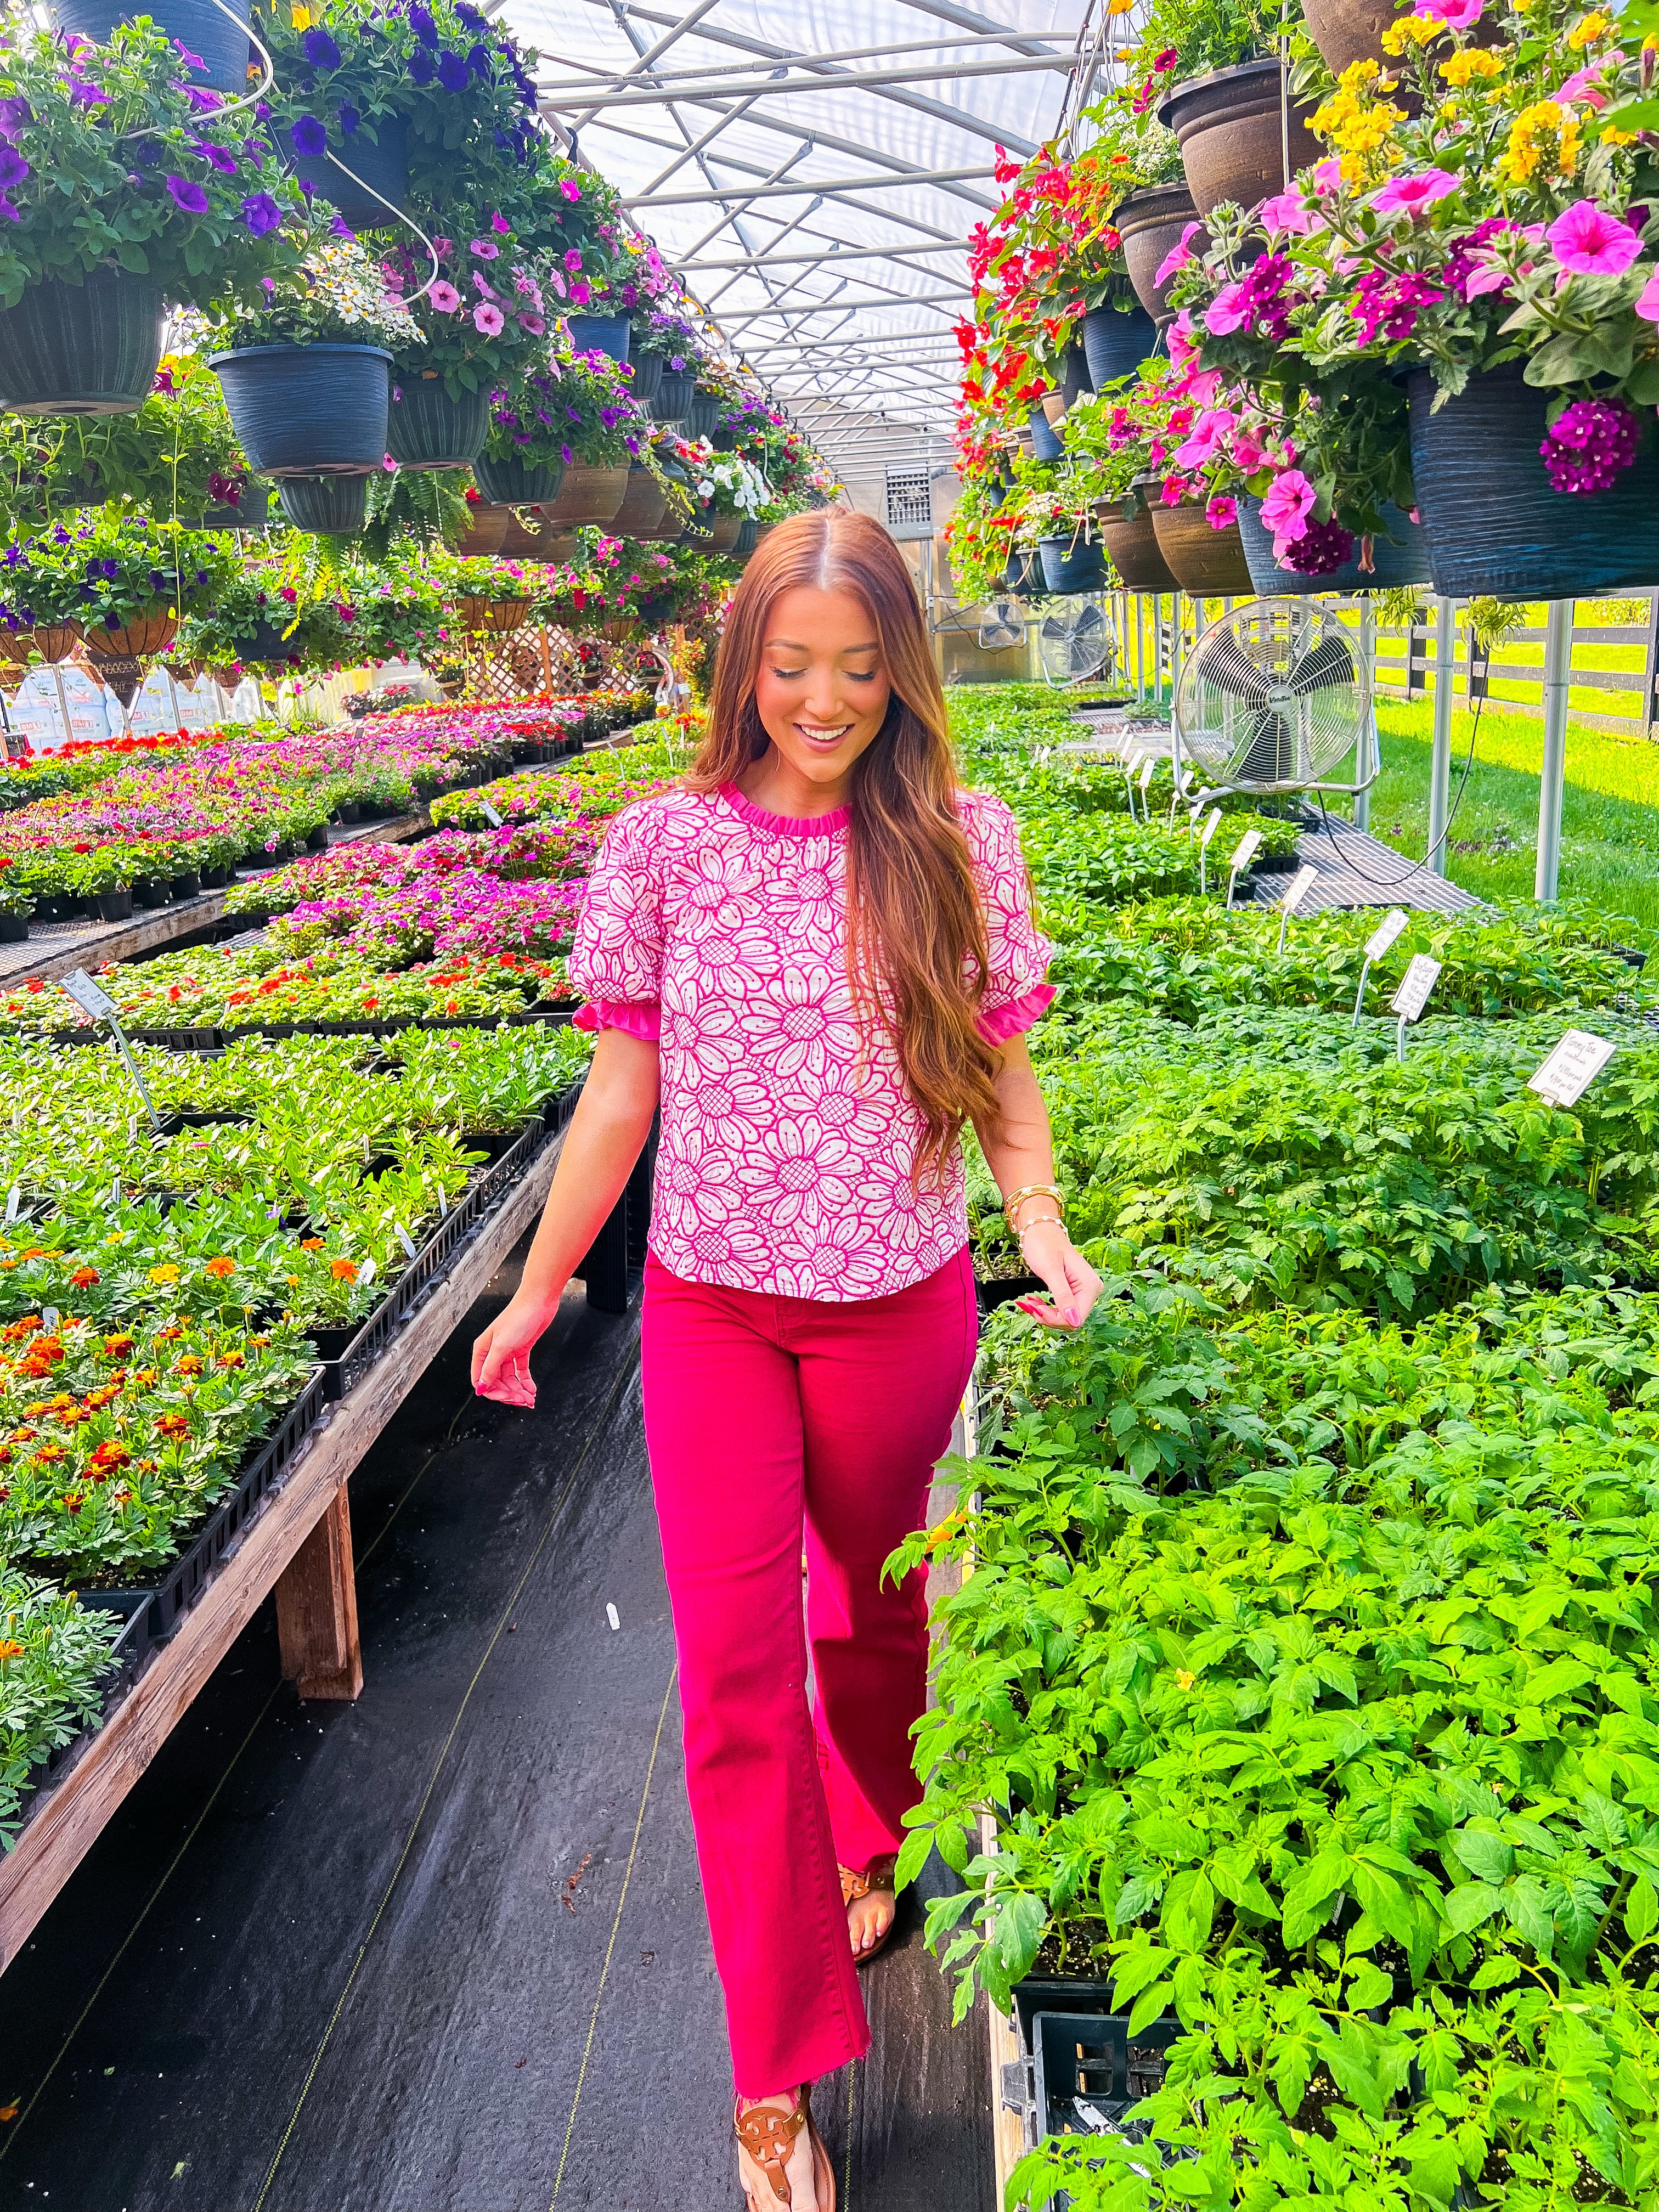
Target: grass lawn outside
pixel 1609 819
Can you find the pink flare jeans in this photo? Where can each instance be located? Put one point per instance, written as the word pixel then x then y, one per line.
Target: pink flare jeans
pixel 761 1413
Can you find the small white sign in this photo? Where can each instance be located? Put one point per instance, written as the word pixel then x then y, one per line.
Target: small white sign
pixel 1210 826
pixel 404 1238
pixel 1385 932
pixel 90 997
pixel 1571 1067
pixel 1249 846
pixel 14 1198
pixel 1300 884
pixel 1419 980
pixel 1148 770
pixel 490 814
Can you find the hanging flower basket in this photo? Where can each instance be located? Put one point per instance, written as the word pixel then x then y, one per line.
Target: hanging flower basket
pixel 621 631
pixel 16 646
pixel 307 410
pixel 251 512
pixel 515 482
pixel 645 381
pixel 55 641
pixel 1126 526
pixel 1069 565
pixel 150 632
pixel 588 495
pixel 383 167
pixel 1149 223
pixel 673 399
pixel 207 31
pixel 703 414
pixel 1349 31
pixel 1046 444
pixel 486 529
pixel 727 530
pixel 600 334
pixel 265 645
pixel 500 615
pixel 427 429
pixel 1208 562
pixel 123 673
pixel 1115 341
pixel 1229 129
pixel 1398 559
pixel 748 539
pixel 87 349
pixel 698 530
pixel 1495 523
pixel 330 507
pixel 1023 575
pixel 644 507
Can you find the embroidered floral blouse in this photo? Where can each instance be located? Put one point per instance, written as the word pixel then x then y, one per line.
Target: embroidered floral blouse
pixel 785 1160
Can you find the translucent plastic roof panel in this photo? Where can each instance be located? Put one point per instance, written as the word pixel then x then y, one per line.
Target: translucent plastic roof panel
pixel 812 169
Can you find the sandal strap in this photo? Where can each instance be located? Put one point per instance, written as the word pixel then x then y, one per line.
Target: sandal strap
pixel 876 1880
pixel 768 2136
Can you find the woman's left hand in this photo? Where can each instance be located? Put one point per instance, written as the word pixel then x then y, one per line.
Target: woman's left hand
pixel 1074 1286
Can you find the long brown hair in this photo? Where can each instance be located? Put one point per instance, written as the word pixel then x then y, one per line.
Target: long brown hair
pixel 917 954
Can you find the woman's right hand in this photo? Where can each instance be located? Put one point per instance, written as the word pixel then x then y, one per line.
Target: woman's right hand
pixel 501 1355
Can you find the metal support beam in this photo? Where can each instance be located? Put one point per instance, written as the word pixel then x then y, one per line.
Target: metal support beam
pixel 828 257
pixel 643 63
pixel 726 87
pixel 728 116
pixel 1063 63
pixel 743 199
pixel 1365 751
pixel 872 301
pixel 826 189
pixel 1445 654
pixel 1557 675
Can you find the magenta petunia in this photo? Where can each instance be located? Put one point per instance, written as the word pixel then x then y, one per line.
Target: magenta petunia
pixel 1587 242
pixel 484 249
pixel 1415 194
pixel 488 318
pixel 444 298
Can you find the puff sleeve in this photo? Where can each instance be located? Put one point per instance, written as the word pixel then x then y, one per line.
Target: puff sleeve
pixel 1015 993
pixel 616 960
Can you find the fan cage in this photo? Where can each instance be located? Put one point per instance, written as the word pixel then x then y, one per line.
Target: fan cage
pixel 1273 697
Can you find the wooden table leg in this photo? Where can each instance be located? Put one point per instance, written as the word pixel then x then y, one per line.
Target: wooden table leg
pixel 317 1609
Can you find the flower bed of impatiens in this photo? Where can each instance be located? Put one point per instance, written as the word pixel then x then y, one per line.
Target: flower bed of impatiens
pixel 1306 1670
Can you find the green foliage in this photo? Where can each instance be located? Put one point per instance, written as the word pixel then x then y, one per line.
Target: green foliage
pixel 52 1651
pixel 114 569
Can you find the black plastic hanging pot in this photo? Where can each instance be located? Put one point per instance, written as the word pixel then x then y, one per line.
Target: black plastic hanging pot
pixel 600 334
pixel 308 411
pixel 197 25
pixel 1496 525
pixel 251 512
pixel 331 506
pixel 703 414
pixel 1115 341
pixel 516 483
pixel 1069 565
pixel 674 397
pixel 382 165
pixel 1399 558
pixel 1023 576
pixel 265 644
pixel 86 349
pixel 427 429
pixel 747 536
pixel 1046 441
pixel 647 378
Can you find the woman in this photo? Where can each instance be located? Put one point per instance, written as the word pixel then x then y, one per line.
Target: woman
pixel 818 957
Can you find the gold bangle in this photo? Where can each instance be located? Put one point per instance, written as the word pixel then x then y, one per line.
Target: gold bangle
pixel 1031 1190
pixel 1020 1235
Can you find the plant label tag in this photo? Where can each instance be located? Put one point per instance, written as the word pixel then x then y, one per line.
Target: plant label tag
pixel 443 1208
pixel 1249 845
pixel 1210 826
pixel 49 1320
pixel 490 814
pixel 1419 980
pixel 14 1198
pixel 1571 1067
pixel 115 1197
pixel 90 997
pixel 404 1238
pixel 1148 771
pixel 1385 932
pixel 1300 884
pixel 367 1272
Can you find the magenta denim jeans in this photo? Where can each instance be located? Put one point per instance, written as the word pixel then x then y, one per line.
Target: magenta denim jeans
pixel 766 1415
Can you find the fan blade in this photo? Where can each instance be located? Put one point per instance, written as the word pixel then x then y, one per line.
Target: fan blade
pixel 1269 750
pixel 1225 668
pixel 1331 661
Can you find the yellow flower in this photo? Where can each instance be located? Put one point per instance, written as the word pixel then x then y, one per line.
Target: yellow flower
pixel 302 18
pixel 168 1273
pixel 1585 34
pixel 1544 135
pixel 1184 1679
pixel 1612 136
pixel 1411 30
pixel 1469 62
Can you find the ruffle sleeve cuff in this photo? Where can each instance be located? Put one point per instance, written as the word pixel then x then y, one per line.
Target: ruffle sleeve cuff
pixel 644 1022
pixel 999 1024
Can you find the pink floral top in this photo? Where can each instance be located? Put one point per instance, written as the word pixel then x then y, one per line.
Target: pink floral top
pixel 785 1160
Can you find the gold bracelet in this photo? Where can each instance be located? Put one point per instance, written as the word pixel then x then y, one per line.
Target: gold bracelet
pixel 1030 1190
pixel 1020 1235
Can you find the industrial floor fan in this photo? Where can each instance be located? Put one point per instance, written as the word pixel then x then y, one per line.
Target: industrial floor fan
pixel 1273 697
pixel 1075 642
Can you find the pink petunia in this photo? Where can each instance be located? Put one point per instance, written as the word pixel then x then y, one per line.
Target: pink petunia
pixel 444 298
pixel 1180 340
pixel 570 187
pixel 1201 385
pixel 1487 277
pixel 1230 310
pixel 1326 176
pixel 1414 195
pixel 1455 15
pixel 534 324
pixel 1249 451
pixel 1179 255
pixel 501 226
pixel 1285 213
pixel 1205 439
pixel 483 249
pixel 1585 85
pixel 488 318
pixel 1648 305
pixel 1587 242
pixel 1221 511
pixel 1288 504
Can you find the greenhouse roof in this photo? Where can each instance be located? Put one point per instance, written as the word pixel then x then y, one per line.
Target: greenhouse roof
pixel 812 170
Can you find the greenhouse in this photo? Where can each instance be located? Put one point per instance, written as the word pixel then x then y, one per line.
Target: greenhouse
pixel 828 1289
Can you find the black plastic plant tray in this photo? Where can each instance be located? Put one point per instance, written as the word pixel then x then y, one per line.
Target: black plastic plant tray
pixel 188 1575
pixel 433 1257
pixel 1069 1993
pixel 1083 2079
pixel 997 1291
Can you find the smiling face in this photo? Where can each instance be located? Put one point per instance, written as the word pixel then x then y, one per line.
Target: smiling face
pixel 822 687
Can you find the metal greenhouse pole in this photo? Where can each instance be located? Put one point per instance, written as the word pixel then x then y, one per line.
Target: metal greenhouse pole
pixel 1557 675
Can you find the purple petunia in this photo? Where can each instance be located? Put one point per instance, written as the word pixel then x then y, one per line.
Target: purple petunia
pixel 14 115
pixel 308 136
pixel 205 102
pixel 10 213
pixel 421 22
pixel 88 96
pixel 347 119
pixel 451 71
pixel 189 59
pixel 321 51
pixel 341 228
pixel 422 67
pixel 188 195
pixel 217 157
pixel 12 167
pixel 261 214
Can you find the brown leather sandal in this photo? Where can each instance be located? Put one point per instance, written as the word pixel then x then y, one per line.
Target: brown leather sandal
pixel 768 2136
pixel 876 1881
